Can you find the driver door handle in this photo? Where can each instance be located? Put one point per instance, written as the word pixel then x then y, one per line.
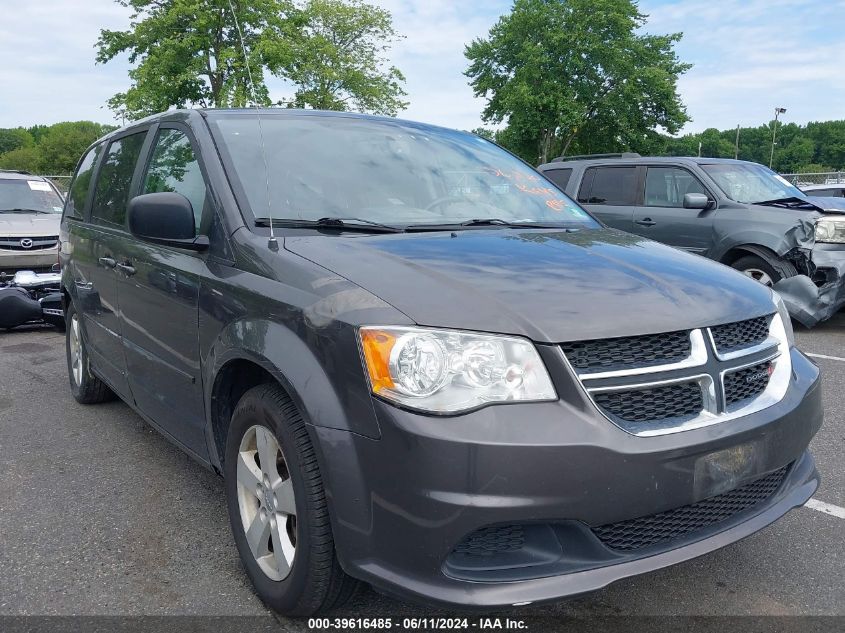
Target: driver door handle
pixel 107 262
pixel 645 222
pixel 126 268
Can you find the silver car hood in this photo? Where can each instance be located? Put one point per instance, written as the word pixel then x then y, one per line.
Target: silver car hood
pixel 29 224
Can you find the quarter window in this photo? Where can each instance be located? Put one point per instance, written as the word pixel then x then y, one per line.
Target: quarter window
pixel 174 167
pixel 559 176
pixel 667 186
pixel 112 194
pixel 78 194
pixel 609 185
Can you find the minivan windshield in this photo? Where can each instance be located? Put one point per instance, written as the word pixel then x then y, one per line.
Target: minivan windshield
pixel 381 171
pixel 750 182
pixel 20 195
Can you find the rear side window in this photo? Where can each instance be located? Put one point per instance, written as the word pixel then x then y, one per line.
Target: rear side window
pixel 78 193
pixel 667 186
pixel 609 185
pixel 112 193
pixel 174 167
pixel 559 176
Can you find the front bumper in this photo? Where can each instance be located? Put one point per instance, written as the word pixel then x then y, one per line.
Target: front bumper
pixel 37 260
pixel 402 503
pixel 809 303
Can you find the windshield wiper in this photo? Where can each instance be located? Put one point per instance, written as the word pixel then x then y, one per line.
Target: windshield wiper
pixel 341 224
pixel 451 226
pixel 19 210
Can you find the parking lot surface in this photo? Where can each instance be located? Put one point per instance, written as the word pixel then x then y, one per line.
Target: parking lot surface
pixel 100 515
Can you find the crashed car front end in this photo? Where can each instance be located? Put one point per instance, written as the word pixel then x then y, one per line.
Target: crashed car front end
pixel 818 292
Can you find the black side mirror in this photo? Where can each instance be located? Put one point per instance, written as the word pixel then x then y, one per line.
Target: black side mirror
pixel 165 218
pixel 696 201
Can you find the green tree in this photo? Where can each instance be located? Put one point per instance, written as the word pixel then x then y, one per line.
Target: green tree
pixel 23 158
pixel 577 74
pixel 64 143
pixel 189 52
pixel 338 60
pixel 14 138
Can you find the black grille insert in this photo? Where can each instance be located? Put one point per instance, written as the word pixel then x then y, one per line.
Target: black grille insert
pixel 740 334
pixel 631 351
pixel 489 541
pixel 654 403
pixel 638 533
pixel 747 383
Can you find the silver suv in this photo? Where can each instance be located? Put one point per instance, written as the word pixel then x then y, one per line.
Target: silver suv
pixel 30 213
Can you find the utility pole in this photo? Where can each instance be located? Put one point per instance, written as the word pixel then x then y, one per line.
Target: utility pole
pixel 736 144
pixel 699 149
pixel 778 111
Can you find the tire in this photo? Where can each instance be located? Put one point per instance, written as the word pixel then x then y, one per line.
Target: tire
pixel 290 498
pixel 767 271
pixel 84 385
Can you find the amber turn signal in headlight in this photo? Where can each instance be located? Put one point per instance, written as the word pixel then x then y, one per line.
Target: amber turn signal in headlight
pixel 446 371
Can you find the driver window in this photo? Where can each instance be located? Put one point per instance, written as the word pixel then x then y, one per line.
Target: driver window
pixel 667 186
pixel 174 167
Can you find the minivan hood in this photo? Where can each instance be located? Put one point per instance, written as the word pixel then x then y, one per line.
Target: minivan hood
pixel 29 224
pixel 548 285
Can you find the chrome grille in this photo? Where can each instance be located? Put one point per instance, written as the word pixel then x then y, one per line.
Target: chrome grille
pixel 657 384
pixel 35 243
pixel 657 403
pixel 740 334
pixel 746 383
pixel 642 351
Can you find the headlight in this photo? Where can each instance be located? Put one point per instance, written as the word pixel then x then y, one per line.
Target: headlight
pixel 830 230
pixel 786 321
pixel 445 371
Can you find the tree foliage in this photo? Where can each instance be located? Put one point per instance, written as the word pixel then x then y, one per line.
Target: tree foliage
pixel 821 144
pixel 576 75
pixel 57 148
pixel 189 52
pixel 338 59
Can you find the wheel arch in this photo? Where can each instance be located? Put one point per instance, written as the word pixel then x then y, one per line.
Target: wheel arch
pixel 253 352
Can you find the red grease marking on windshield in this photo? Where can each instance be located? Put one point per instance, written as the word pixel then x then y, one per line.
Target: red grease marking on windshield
pixel 513 175
pixel 556 204
pixel 537 191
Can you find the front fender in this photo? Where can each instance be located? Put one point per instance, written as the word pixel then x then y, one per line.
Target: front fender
pixel 339 401
pixel 770 236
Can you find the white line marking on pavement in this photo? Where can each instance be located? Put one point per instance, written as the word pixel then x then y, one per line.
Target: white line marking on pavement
pixel 826 357
pixel 827 508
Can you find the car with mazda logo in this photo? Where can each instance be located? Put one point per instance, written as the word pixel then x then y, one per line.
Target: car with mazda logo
pixel 419 364
pixel 30 214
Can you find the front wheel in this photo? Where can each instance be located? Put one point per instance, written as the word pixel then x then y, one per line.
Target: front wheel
pixel 84 385
pixel 767 271
pixel 277 507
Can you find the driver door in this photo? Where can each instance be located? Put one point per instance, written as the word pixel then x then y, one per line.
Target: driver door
pixel 662 216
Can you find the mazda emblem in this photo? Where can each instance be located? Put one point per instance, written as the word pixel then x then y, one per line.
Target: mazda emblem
pixel 26 243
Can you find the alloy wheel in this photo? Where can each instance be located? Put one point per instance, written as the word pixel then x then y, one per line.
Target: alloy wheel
pixel 75 350
pixel 266 502
pixel 759 275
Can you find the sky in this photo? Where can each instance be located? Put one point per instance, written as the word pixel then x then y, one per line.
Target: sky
pixel 749 57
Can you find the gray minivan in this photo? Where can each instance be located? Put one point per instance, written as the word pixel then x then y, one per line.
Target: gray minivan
pixel 735 212
pixel 418 364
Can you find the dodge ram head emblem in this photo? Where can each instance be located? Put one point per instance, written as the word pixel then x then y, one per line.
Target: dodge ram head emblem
pixel 26 243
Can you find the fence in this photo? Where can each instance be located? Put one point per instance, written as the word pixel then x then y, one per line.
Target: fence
pixel 62 182
pixel 821 178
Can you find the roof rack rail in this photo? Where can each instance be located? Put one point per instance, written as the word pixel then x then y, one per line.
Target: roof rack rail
pixel 560 159
pixel 16 171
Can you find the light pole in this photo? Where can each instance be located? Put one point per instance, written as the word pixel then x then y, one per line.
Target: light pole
pixel 778 111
